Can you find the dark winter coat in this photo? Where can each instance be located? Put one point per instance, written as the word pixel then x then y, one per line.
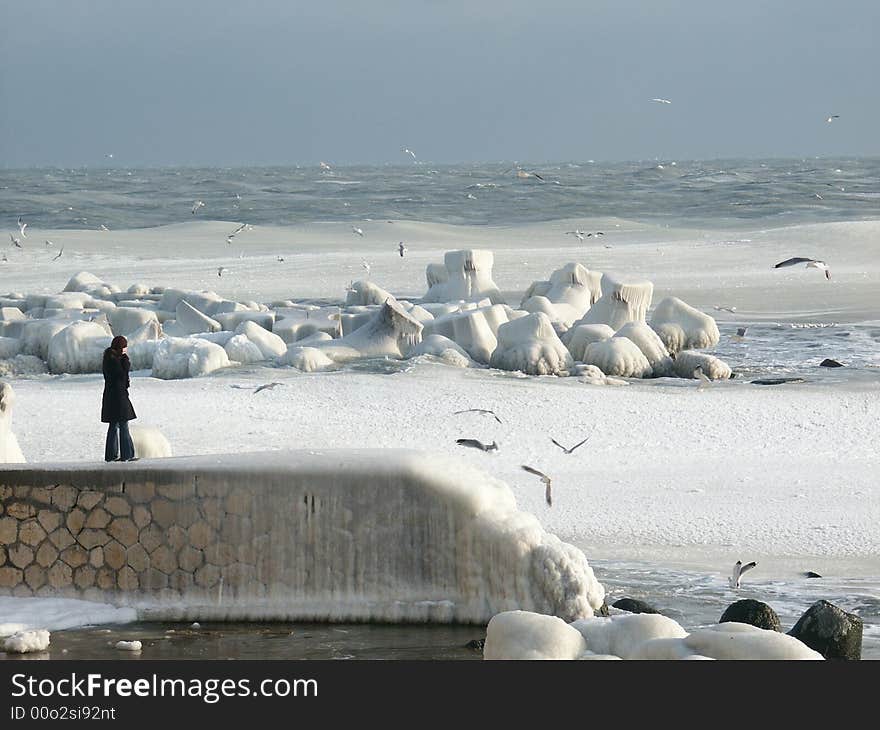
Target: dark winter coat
pixel 115 405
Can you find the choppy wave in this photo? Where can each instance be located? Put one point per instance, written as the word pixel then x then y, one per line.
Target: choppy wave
pixel 720 194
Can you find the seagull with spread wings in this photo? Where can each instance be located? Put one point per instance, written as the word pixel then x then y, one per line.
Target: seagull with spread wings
pixel 738 569
pixel 548 496
pixel 484 411
pixel 811 264
pixel 567 450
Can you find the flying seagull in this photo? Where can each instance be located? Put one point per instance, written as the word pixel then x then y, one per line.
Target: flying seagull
pixel 409 152
pixel 597 233
pixel 402 249
pixel 365 266
pixel 15 241
pixel 58 255
pixel 21 227
pixel 267 386
pixel 732 310
pixel 832 117
pixel 484 411
pixel 280 259
pixel 359 231
pixel 49 243
pixel 221 270
pixel 544 478
pixel 242 227
pixel 662 101
pixel 324 166
pixel 738 569
pixel 568 451
pixel 577 233
pixel 523 174
pixel 811 264
pixel 474 444
pixel 198 204
pixel 103 228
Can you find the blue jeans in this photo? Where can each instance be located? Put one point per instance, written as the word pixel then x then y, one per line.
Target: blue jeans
pixel 111 450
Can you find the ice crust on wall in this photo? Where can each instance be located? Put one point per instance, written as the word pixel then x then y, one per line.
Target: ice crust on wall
pixel 468 277
pixel 380 535
pixel 10 452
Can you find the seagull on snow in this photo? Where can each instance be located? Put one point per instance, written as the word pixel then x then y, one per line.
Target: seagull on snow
pixel 402 249
pixel 734 580
pixel 811 264
pixel 198 204
pixel 221 270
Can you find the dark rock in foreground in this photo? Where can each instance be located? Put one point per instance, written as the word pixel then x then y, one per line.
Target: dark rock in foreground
pixel 829 363
pixel 830 630
pixel 749 611
pixel 634 606
pixel 475 644
pixel 811 574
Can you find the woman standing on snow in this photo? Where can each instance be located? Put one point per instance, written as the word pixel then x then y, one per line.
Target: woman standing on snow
pixel 116 408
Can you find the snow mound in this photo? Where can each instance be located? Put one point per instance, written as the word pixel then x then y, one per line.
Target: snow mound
pixel 578 337
pixel 149 442
pixel 651 346
pixel 240 349
pixel 128 645
pixel 729 640
pixel 681 327
pixel 269 344
pixel 187 357
pixel 713 368
pixel 307 359
pixel 25 642
pixel 22 365
pixel 618 356
pixel 623 635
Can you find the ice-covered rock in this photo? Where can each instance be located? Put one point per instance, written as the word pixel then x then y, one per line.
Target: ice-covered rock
pixel 9 347
pixel 468 277
pixel 527 635
pixel 682 327
pixel 125 320
pixel 128 645
pixel 307 359
pixel 22 365
pixel 560 314
pixel 353 318
pixel 149 442
pixel 621 302
pixel 573 285
pixel 187 357
pixel 191 321
pixel 713 368
pixel 475 329
pixel 240 349
pixel 25 642
pixel 11 314
pixel 623 635
pixel 578 337
pixel 270 344
pixel 618 356
pixel 444 348
pixel 651 346
pixel 363 292
pixel 231 320
pixel 312 339
pixel 727 641
pixel 138 290
pixel 78 348
pixel 391 332
pixel 530 345
pixel 10 452
pixel 84 281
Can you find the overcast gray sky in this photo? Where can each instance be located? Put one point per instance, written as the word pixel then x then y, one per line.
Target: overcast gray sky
pixel 235 82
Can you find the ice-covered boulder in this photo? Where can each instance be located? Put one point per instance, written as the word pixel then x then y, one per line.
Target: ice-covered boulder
pixel 353 318
pixel 295 323
pixel 307 359
pixel 623 635
pixel 10 452
pixel 527 635
pixel 22 365
pixel 651 346
pixel 436 274
pixel 312 339
pixel 573 285
pixel 364 292
pixel 240 349
pixel 270 344
pixel 142 345
pixel 618 356
pixel 531 345
pixel 84 281
pixel 138 290
pixel 125 320
pixel 562 315
pixel 727 641
pixel 474 329
pixel 78 348
pixel 191 321
pixel 468 277
pixel 621 302
pixel 9 347
pixel 11 314
pixel 578 337
pixel 149 442
pixel 444 348
pixel 187 357
pixel 682 327
pixel 391 332
pixel 713 368
pixel 231 320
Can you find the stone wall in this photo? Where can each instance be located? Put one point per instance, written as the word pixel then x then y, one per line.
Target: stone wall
pixel 284 535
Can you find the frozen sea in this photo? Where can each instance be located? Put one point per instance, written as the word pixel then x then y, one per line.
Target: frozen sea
pixel 675 485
